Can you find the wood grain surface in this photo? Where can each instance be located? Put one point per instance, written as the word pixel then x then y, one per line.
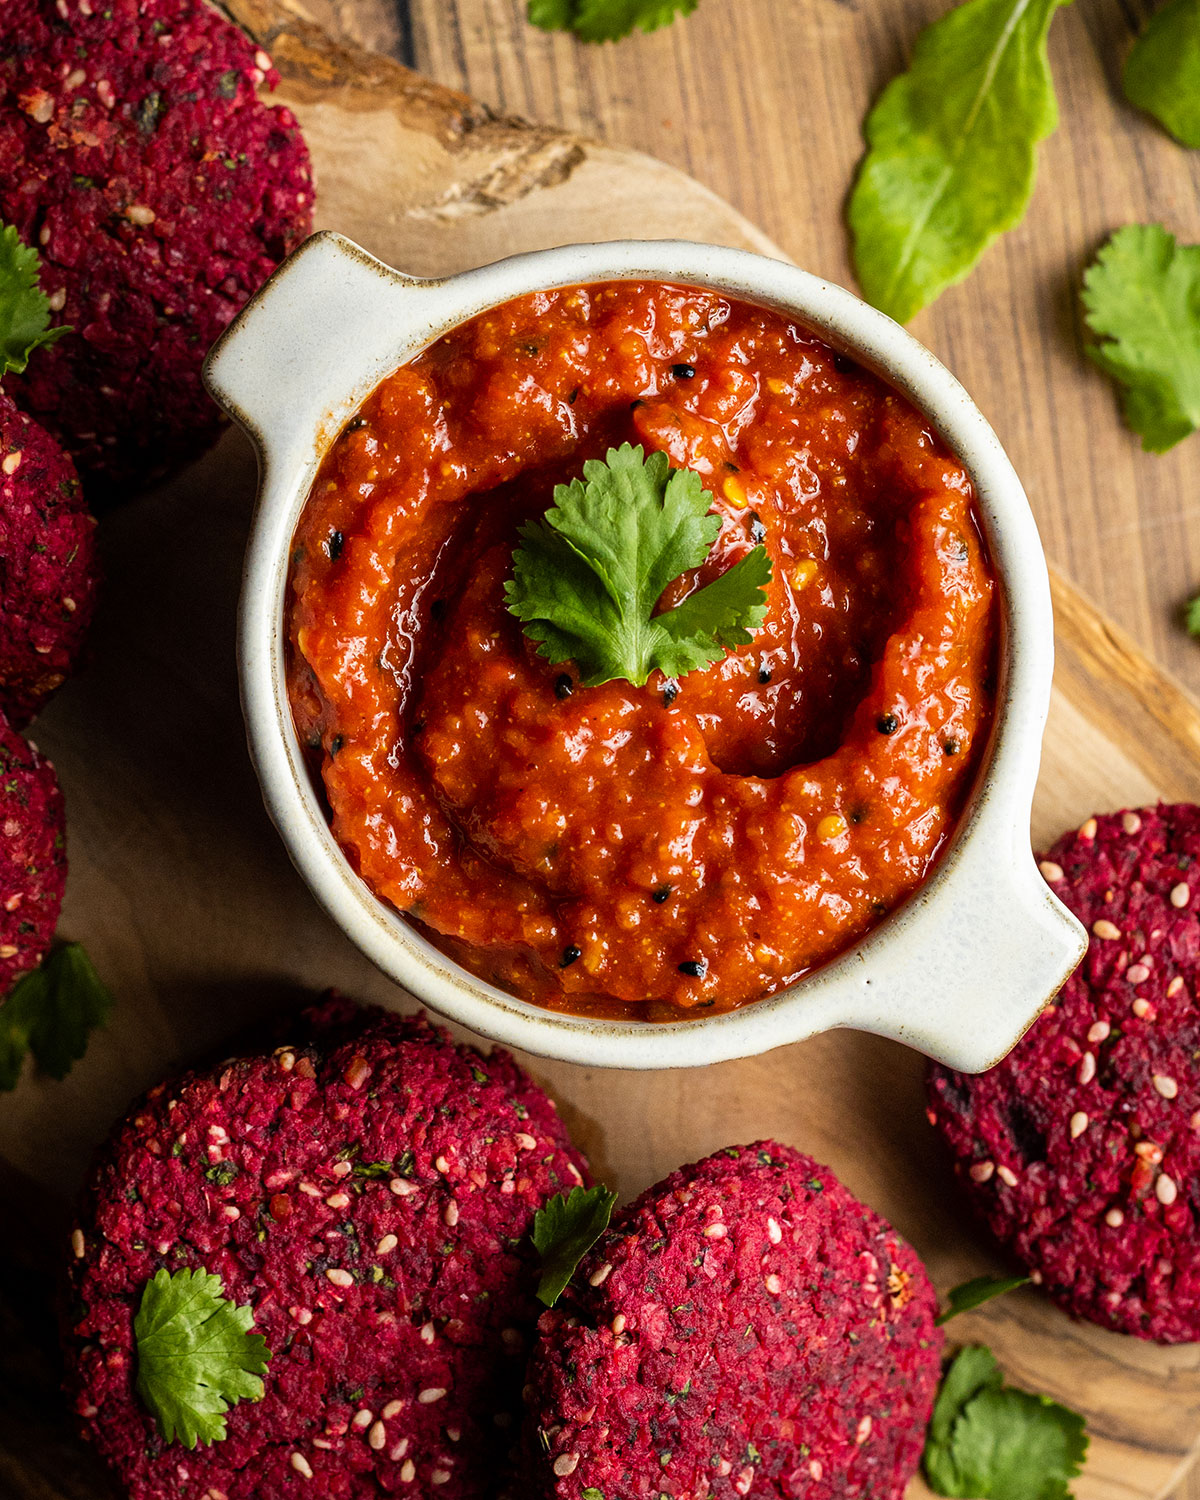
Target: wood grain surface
pixel 180 887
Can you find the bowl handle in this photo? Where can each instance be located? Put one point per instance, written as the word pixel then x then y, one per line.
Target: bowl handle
pixel 995 946
pixel 279 369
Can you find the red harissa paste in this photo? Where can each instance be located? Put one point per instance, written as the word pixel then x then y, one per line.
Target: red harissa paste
pixel 674 849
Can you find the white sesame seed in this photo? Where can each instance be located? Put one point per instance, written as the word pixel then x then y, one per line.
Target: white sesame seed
pixel 1052 872
pixel 1167 1087
pixel 716 1231
pixel 1137 974
pixel 774 1233
pixel 1103 928
pixel 600 1275
pixel 618 1324
pixel 392 1409
pixel 440 1476
pixel 455 1433
pixel 816 1469
pixel 323 1444
pixel 428 1333
pixel 982 1171
pixel 287 1061
pixel 1114 1218
pixel 377 1436
pixel 1007 1176
pixel 451 1214
pixel 525 1142
pixel 1079 1123
pixel 341 1169
pixel 409 1472
pixel 310 1189
pixel 77 1244
pixel 1088 830
pixel 773 1285
pixel 1175 986
pixel 442 1164
pixel 566 1463
pixel 262 61
pixel 402 1187
pixel 339 1277
pixel 576 1174
pixel 9 950
pixel 140 213
pixel 1087 1067
pixel 1180 895
pixel 338 1200
pixel 75 78
pixel 302 1316
pixel 12 462
pixel 431 1394
pixel 104 92
pixel 1194 1122
pixel 302 1465
pixel 398 1452
pixel 1131 823
pixel 1099 1031
pixel 1141 1006
pixel 386 1245
pixel 231 1212
pixel 1165 1190
pixel 363 1418
pixel 864 1430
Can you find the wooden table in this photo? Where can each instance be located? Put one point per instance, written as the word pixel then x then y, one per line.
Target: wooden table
pixel 762 100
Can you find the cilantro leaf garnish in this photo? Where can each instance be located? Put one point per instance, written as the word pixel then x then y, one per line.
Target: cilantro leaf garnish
pixel 50 1012
pixel 1191 616
pixel 1162 73
pixel 951 156
pixel 989 1441
pixel 563 1233
pixel 972 1294
pixel 587 576
pixel 24 307
pixel 1142 298
pixel 606 20
pixel 195 1355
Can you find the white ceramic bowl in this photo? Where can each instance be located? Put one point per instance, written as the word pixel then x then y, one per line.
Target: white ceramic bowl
pixel 960 969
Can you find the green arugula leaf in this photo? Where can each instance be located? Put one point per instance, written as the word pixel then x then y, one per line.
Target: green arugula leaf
pixel 1162 73
pixel 563 1233
pixel 989 1441
pixel 587 577
pixel 195 1355
pixel 606 20
pixel 971 1294
pixel 1141 296
pixel 951 156
pixel 24 308
pixel 51 1012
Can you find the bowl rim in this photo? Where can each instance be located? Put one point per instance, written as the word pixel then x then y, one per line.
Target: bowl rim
pixel 849 989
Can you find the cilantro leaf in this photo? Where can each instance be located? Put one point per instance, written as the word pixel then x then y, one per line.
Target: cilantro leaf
pixel 951 156
pixel 563 1233
pixel 588 575
pixel 989 1441
pixel 1162 73
pixel 1191 618
pixel 606 20
pixel 1141 296
pixel 24 307
pixel 971 1294
pixel 51 1011
pixel 195 1355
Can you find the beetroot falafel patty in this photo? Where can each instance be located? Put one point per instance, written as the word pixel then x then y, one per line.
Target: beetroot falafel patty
pixel 160 193
pixel 1081 1150
pixel 745 1328
pixel 48 565
pixel 369 1193
pixel 33 859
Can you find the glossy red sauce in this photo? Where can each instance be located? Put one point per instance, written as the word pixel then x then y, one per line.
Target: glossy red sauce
pixel 676 848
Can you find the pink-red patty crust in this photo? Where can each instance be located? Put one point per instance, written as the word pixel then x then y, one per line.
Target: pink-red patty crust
pixel 160 194
pixel 1081 1150
pixel 48 565
pixel 745 1328
pixel 33 858
pixel 369 1192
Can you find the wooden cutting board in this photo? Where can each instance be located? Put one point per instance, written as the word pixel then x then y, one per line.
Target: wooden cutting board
pixel 182 892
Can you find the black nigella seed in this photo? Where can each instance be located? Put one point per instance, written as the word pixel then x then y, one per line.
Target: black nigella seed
pixel 764 674
pixel 570 954
pixel 950 747
pixel 335 744
pixel 888 724
pixel 694 968
pixel 684 372
pixel 661 894
pixel 758 532
pixel 670 692
pixel 334 545
pixel 355 423
pixel 419 727
pixel 635 405
pixel 573 397
pixel 844 365
pixel 563 686
pixel 438 608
